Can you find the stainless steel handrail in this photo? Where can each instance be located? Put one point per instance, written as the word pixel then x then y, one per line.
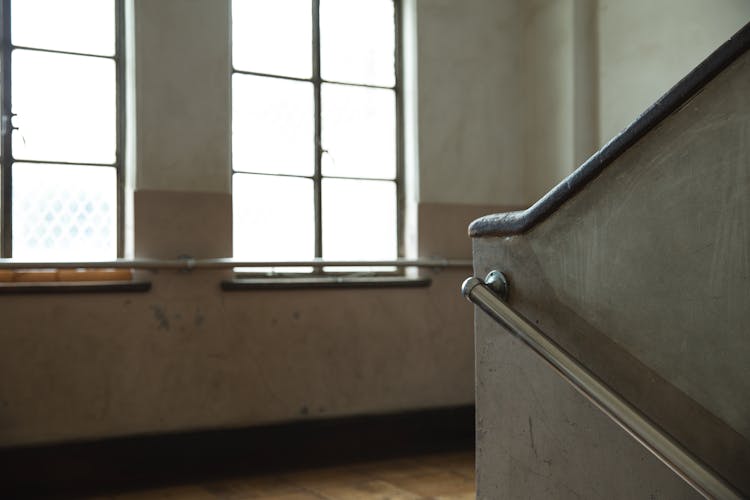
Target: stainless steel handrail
pixel 635 423
pixel 190 263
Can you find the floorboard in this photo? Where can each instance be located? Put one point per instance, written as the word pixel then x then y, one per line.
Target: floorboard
pixel 433 476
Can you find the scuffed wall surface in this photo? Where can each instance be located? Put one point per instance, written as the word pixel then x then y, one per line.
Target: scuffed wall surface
pixel 539 438
pixel 188 356
pixel 644 277
pixel 656 251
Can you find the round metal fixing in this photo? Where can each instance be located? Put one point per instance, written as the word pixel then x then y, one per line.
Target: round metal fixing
pixel 469 285
pixel 498 283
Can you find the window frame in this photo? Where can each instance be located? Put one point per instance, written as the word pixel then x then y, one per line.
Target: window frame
pixel 6 134
pixel 317 81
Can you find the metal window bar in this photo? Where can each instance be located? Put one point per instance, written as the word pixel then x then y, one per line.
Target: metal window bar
pixel 317 176
pixel 6 237
pixel 311 80
pixel 190 263
pixel 657 441
pixel 6 111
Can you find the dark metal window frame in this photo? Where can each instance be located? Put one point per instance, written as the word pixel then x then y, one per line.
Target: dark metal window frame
pixel 6 179
pixel 317 176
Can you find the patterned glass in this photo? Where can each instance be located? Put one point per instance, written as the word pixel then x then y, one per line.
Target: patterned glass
pixel 64 212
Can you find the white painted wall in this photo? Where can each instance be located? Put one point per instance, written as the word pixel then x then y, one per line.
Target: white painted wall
pixel 182 93
pixel 645 47
pixel 506 97
pixel 470 146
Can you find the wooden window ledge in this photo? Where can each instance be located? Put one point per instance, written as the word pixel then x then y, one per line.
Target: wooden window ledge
pixel 69 281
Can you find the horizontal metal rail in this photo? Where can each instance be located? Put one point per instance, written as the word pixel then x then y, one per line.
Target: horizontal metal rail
pixel 635 423
pixel 190 264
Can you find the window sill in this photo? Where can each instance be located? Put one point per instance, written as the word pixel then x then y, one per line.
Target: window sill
pixel 56 287
pixel 320 282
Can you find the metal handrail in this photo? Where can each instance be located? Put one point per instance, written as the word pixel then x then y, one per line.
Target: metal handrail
pixel 665 448
pixel 190 264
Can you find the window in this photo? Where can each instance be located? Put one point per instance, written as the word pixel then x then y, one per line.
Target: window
pixel 315 130
pixel 61 129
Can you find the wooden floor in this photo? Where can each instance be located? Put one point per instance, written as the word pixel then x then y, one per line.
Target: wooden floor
pixel 439 476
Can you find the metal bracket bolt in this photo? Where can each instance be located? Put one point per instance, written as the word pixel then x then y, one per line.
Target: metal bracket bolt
pixel 498 283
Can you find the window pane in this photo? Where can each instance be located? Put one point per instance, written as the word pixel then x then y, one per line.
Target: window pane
pixel 272 36
pixel 64 212
pixel 357 41
pixel 359 220
pixel 358 132
pixel 273 218
pixel 273 126
pixel 86 26
pixel 65 106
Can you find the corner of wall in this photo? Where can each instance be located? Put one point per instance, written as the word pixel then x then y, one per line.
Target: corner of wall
pixel 131 151
pixel 410 107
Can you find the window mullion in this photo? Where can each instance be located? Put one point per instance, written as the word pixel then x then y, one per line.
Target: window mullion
pixel 400 167
pixel 7 155
pixel 120 126
pixel 318 144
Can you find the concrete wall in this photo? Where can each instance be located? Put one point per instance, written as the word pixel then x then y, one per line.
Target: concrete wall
pixel 183 119
pixel 187 355
pixel 590 67
pixel 514 95
pixel 470 138
pixel 490 114
pixel 558 79
pixel 645 47
pixel 644 277
pixel 507 99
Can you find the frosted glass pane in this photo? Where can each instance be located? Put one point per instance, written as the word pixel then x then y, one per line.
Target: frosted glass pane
pixel 273 218
pixel 272 36
pixel 357 41
pixel 359 220
pixel 358 132
pixel 65 106
pixel 273 127
pixel 86 26
pixel 64 212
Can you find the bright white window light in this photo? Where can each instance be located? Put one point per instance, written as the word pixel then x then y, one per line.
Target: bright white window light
pixel 358 132
pixel 272 36
pixel 359 220
pixel 275 123
pixel 273 218
pixel 65 108
pixel 85 26
pixel 357 41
